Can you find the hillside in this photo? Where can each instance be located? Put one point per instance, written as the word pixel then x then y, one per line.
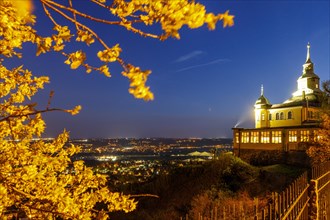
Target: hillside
pixel 185 189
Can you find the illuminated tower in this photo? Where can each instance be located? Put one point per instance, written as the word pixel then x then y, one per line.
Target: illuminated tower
pixel 308 82
pixel 261 111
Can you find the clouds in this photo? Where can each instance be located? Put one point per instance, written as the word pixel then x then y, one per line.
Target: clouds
pixel 189 56
pixel 203 64
pixel 197 54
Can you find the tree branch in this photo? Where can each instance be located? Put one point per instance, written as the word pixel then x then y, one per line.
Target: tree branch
pixel 49 15
pixel 74 15
pixel 32 113
pixel 77 23
pixel 326 86
pixel 122 23
pixel 144 195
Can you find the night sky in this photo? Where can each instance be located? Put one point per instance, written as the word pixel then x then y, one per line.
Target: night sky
pixel 203 84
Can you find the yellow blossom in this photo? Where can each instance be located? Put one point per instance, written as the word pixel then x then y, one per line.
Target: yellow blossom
pixel 228 20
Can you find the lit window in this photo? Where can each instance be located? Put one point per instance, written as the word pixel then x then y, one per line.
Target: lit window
pixel 264 137
pixel 317 135
pixel 237 137
pixel 304 136
pixel 245 137
pixel 263 117
pixel 281 116
pixel 277 116
pixel 276 137
pixel 270 117
pixel 290 115
pixel 254 137
pixel 317 85
pixel 292 136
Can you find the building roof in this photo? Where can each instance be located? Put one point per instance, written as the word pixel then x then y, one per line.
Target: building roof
pixel 312 100
pixel 306 126
pixel 262 100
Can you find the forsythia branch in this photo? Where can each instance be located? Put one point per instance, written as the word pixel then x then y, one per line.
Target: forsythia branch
pixel 170 15
pixel 38 177
pixel 32 113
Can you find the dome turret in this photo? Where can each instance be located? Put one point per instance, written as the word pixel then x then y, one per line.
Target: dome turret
pixel 261 110
pixel 308 82
pixel 262 100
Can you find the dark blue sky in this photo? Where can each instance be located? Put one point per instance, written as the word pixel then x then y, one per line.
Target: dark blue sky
pixel 203 84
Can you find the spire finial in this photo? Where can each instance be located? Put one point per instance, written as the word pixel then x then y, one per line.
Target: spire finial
pixel 308 58
pixel 262 89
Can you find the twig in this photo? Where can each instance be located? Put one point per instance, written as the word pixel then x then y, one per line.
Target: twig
pixel 144 195
pixel 74 15
pixel 120 23
pixel 49 15
pixel 77 23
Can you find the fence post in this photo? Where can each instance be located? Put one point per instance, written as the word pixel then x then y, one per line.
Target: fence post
pixel 241 210
pixel 234 211
pixel 224 212
pixel 313 201
pixel 256 204
pixel 216 213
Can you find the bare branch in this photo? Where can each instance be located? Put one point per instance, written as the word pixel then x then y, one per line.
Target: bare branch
pixel 49 15
pixel 51 95
pixel 144 195
pixel 123 22
pixel 77 23
pixel 74 15
pixel 326 86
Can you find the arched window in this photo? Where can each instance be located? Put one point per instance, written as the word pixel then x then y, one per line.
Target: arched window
pixel 277 116
pixel 290 115
pixel 281 116
pixel 270 117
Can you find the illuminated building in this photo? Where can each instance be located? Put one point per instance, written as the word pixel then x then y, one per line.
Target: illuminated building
pixel 288 126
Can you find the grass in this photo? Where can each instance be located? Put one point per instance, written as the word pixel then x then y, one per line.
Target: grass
pixel 292 171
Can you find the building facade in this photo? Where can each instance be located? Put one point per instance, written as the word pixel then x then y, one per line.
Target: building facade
pixel 288 126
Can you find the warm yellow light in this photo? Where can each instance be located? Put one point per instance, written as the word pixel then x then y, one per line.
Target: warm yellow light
pixel 24 7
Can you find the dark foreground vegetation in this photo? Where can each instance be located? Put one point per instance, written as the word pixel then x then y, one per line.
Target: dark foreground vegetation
pixel 196 188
